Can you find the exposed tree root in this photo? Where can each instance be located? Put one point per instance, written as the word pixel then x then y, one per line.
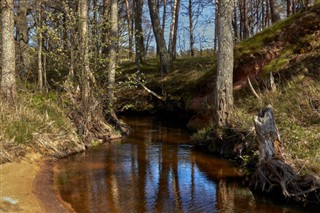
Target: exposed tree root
pixel 92 123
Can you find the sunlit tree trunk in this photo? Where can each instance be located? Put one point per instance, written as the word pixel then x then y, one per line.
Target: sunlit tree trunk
pixel 163 52
pixel 224 84
pixel 8 79
pixel 40 38
pixel 84 52
pixel 112 51
pixel 174 28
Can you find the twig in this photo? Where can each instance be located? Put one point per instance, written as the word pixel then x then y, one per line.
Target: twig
pixel 252 89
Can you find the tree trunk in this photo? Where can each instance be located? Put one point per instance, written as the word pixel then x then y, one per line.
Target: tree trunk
pixel 216 27
pixel 8 79
pixel 40 38
pixel 289 7
pixel 106 16
pixel 267 134
pixel 174 29
pixel 191 37
pixel 23 38
pixel 235 21
pixel 274 10
pixel 140 51
pixel 85 68
pixel 112 51
pixel 224 84
pixel 129 22
pixel 164 17
pixel 163 52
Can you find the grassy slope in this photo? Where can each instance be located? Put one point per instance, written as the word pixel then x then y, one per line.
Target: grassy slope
pixel 289 49
pixel 38 124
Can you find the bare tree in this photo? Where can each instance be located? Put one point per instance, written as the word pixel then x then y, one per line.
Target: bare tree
pixel 191 36
pixel 174 28
pixel 158 33
pixel 8 79
pixel 224 84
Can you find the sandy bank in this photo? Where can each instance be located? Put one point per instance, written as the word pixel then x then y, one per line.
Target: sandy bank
pixel 26 186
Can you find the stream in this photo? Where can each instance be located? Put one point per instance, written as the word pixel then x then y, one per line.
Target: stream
pixel 153 170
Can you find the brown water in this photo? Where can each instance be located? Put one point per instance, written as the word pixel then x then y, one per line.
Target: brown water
pixel 152 171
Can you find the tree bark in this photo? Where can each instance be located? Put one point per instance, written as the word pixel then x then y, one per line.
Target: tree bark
pixel 8 78
pixel 112 51
pixel 267 134
pixel 140 51
pixel 85 68
pixel 129 22
pixel 191 37
pixel 163 52
pixel 164 17
pixel 174 29
pixel 23 38
pixel 224 84
pixel 40 38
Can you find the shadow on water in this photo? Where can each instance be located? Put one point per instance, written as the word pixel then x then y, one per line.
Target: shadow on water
pixel 152 171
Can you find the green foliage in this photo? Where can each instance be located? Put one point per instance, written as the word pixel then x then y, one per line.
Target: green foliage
pixel 201 134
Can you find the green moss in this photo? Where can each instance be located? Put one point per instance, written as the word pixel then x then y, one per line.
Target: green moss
pixel 278 63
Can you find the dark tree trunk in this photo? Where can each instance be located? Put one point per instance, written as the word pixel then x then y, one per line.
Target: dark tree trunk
pixel 23 38
pixel 140 51
pixel 158 33
pixel 274 10
pixel 191 36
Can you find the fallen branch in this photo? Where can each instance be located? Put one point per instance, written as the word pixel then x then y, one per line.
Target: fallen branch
pixel 150 91
pixel 253 90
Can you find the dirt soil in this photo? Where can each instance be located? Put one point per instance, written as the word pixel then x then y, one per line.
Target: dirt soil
pixel 26 186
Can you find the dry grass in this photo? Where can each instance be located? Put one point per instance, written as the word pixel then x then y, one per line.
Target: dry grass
pixel 296 105
pixel 36 124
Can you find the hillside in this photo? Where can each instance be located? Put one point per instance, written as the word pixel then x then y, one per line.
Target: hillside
pixel 289 50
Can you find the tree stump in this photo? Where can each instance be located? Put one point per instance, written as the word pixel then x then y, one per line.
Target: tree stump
pixel 272 175
pixel 267 134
